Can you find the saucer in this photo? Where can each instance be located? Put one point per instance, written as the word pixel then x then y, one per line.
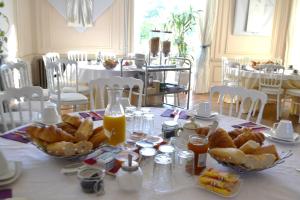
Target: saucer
pixel 17 173
pixel 11 171
pixel 212 115
pixel 270 135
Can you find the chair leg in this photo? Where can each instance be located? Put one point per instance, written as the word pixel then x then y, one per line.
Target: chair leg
pixel 278 107
pixel 255 108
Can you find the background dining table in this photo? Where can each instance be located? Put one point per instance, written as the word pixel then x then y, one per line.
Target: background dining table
pixel 41 177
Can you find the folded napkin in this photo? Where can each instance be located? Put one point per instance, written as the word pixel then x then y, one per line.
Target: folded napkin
pixel 18 135
pixel 5 193
pixel 169 113
pixel 92 115
pixel 253 126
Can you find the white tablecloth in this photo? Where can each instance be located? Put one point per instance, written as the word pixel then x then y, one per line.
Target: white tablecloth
pixel 41 178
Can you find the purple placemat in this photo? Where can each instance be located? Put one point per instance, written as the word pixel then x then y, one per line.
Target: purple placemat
pixel 92 115
pixel 168 113
pixel 16 135
pixel 253 126
pixel 5 193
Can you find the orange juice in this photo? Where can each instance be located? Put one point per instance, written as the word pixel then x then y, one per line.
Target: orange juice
pixel 115 125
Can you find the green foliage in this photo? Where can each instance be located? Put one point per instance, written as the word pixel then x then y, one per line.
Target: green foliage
pixel 3 37
pixel 182 24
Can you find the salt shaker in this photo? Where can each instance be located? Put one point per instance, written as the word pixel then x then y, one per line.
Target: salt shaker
pixel 130 176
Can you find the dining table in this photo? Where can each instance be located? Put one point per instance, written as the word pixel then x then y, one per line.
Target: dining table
pixel 41 176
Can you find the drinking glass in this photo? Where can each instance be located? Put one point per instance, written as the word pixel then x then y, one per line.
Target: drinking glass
pixel 162 173
pixel 138 122
pixel 148 123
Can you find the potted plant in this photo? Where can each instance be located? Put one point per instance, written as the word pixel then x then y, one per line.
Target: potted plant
pixel 181 24
pixel 3 37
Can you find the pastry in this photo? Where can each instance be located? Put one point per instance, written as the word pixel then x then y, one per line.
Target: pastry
pixel 222 191
pixel 49 134
pixel 85 130
pixel 83 147
pixel 61 148
pixel 270 149
pixel 220 139
pixel 234 133
pixel 249 135
pixel 213 173
pixel 98 137
pixel 261 161
pixel 71 119
pixel 249 147
pixel 67 127
pixel 228 155
pixel 203 131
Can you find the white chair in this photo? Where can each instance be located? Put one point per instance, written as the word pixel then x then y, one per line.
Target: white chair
pixel 293 93
pixel 15 75
pixel 243 94
pixel 270 82
pixel 77 55
pixel 61 75
pixel 231 70
pixel 102 83
pixel 52 56
pixel 12 119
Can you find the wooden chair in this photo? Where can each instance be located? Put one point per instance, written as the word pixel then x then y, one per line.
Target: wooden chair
pixel 15 75
pixel 77 56
pixel 12 119
pixel 102 83
pixel 242 94
pixel 270 82
pixel 59 76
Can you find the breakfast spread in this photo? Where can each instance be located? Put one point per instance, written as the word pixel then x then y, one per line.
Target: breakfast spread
pixel 222 183
pixel 71 137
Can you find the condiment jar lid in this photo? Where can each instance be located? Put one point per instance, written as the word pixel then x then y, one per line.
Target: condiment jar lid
pixel 170 123
pixel 148 151
pixel 166 148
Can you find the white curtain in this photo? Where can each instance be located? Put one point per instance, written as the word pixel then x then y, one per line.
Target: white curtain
pixel 293 40
pixel 80 13
pixel 207 23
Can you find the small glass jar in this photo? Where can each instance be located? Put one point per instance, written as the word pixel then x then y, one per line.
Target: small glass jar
pixel 130 176
pixel 91 180
pixel 169 129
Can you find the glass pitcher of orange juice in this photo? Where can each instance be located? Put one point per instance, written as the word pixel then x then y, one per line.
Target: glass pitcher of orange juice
pixel 114 122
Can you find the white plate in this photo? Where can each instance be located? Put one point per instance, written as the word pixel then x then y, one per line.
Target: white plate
pixel 18 171
pixel 212 116
pixel 270 135
pixel 11 171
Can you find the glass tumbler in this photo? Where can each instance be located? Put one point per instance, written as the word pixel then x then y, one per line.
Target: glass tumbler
pixel 148 123
pixel 138 122
pixel 162 173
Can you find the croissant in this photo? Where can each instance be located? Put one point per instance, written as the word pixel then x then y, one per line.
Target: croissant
pixel 220 139
pixel 67 127
pixel 71 119
pixel 249 135
pixel 50 134
pixel 234 133
pixel 98 137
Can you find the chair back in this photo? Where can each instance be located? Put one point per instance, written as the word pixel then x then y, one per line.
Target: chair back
pixel 52 56
pixel 270 76
pixel 24 94
pixel 14 75
pixel 61 74
pixel 231 69
pixel 77 55
pixel 102 83
pixel 243 95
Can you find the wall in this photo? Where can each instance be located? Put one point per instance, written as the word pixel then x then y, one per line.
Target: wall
pixel 229 45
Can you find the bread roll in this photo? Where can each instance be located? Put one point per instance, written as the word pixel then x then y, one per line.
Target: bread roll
pixel 220 139
pixel 259 161
pixel 270 149
pixel 98 137
pixel 85 130
pixel 68 128
pixel 49 134
pixel 71 119
pixel 249 135
pixel 249 147
pixel 83 147
pixel 228 155
pixel 61 148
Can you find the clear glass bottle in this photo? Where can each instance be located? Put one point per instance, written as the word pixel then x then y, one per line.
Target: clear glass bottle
pixel 114 122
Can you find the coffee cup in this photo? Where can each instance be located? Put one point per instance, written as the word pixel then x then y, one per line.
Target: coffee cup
pixel 3 165
pixel 50 115
pixel 203 109
pixel 139 60
pixel 284 129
